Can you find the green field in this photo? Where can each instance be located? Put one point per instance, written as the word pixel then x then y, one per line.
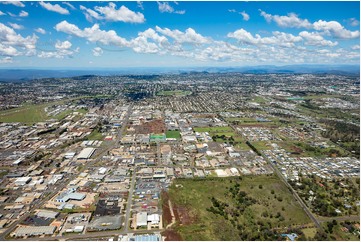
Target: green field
pixel 95 135
pixel 217 208
pixel 173 134
pixel 174 93
pixel 28 114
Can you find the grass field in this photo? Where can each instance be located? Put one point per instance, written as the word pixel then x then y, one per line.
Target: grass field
pixel 174 93
pixel 95 135
pixel 28 114
pixel 173 134
pixel 273 205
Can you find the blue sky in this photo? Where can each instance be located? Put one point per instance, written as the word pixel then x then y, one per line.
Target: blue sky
pixel 87 35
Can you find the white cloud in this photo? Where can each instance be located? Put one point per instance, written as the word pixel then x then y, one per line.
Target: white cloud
pixel 314 38
pixel 11 41
pixel 165 7
pixel 62 50
pixel 90 14
pixel 278 38
pixel 335 29
pixel 69 5
pixel 244 15
pixel 150 41
pixel 63 45
pixel 6 60
pixel 23 14
pixel 353 22
pixel 12 15
pixel 140 5
pixel 355 47
pixel 291 20
pixel 111 13
pixel 189 36
pixel 93 34
pixel 8 50
pixel 97 51
pixel 232 10
pixel 2 13
pixel 40 30
pixel 16 3
pixel 16 26
pixel 55 8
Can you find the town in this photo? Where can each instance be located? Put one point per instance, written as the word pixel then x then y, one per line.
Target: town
pixel 124 157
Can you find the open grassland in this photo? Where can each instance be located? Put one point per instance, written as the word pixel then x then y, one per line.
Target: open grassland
pixel 28 114
pixel 234 208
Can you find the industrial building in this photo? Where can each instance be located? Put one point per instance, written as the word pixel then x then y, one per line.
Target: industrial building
pixel 34 231
pixel 86 153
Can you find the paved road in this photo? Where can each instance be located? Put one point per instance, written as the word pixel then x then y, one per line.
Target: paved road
pixel 90 235
pixel 129 202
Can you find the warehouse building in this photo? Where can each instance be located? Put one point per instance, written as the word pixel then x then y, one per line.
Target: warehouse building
pixel 34 231
pixel 86 153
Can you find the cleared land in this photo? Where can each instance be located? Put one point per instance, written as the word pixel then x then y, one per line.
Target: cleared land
pixel 234 208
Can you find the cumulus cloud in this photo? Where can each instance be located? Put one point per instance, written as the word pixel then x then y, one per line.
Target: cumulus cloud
pixel 97 51
pixel 165 7
pixel 63 45
pixel 13 44
pixel 313 38
pixel 278 38
pixel 111 13
pixel 40 30
pixel 16 26
pixel 244 15
pixel 189 36
pixel 62 50
pixel 335 29
pixel 355 47
pixel 2 13
pixel 93 34
pixel 54 8
pixel 290 21
pixel 15 3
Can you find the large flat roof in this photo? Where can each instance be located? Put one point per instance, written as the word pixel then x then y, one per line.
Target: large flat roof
pixel 86 153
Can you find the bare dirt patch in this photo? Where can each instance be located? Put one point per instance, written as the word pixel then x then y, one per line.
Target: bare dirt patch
pixel 171 235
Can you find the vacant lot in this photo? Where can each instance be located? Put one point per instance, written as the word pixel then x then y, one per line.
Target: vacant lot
pixel 211 209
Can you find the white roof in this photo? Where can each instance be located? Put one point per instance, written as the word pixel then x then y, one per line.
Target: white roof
pixel 86 153
pixel 142 219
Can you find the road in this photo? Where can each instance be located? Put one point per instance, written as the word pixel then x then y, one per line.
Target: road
pixel 129 202
pixel 60 186
pixel 89 235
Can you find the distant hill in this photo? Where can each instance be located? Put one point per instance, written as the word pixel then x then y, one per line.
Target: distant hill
pixel 22 75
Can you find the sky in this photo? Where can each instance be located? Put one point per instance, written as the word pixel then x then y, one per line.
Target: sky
pixel 86 35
